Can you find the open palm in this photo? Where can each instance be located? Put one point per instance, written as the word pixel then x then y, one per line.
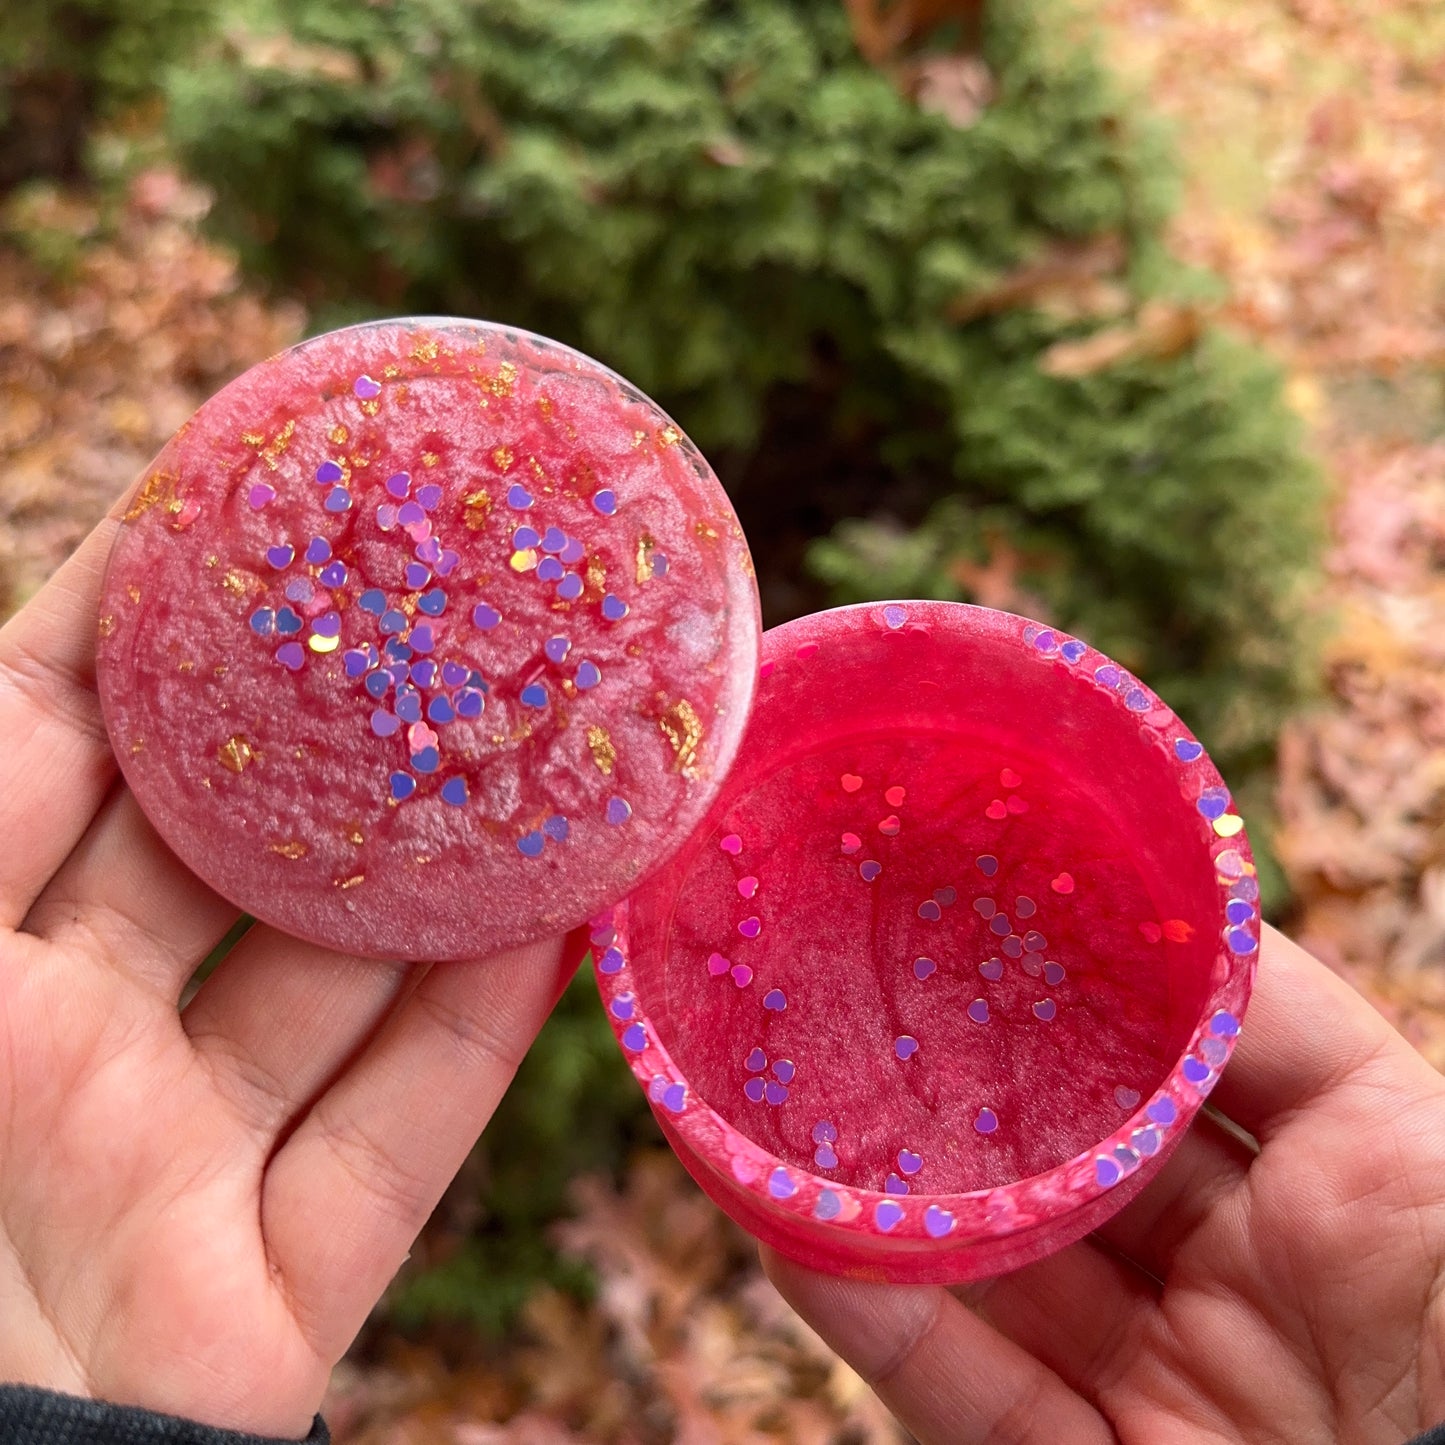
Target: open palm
pixel 199 1207
pixel 1292 1290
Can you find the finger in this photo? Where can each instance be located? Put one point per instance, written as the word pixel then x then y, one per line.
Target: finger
pixel 279 1020
pixel 347 1194
pixel 1081 1313
pixel 1205 1171
pixel 1307 1033
pixel 130 900
pixel 950 1378
pixel 56 765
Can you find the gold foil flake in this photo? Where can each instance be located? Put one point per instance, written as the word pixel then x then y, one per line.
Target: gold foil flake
pixel 523 560
pixel 477 507
pixel 317 643
pixel 254 439
pixel 273 450
pixel 133 592
pixel 425 351
pixel 106 625
pixel 206 784
pixel 235 755
pixel 213 561
pixel 429 459
pixel 401 393
pixel 186 666
pixel 545 406
pixel 705 531
pixel 537 472
pixel 604 752
pixel 137 746
pixel 220 670
pixel 646 545
pixel 156 486
pixel 596 574
pixel 638 437
pixel 682 727
pixel 669 436
pixel 503 458
pixel 422 859
pixel 238 584
pixel 352 882
pixel 354 835
pixel 391 371
pixel 501 383
pixel 370 408
pixel 748 563
pixel 339 435
pixel 293 849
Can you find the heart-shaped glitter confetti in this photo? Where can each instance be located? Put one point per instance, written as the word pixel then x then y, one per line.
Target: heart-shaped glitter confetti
pixel 732 844
pixel 851 843
pixel 1034 941
pixel 923 968
pixel 784 1070
pixel 807 650
pixel 742 975
pixel 775 1000
pixel 889 826
pixel 985 1121
pixel 851 782
pixel 717 965
pixel 1053 973
pixel 775 1093
pixel 754 1088
pixel 945 897
pixel 748 886
pixel 1062 883
pixel 997 809
pixel 938 1222
pixel 1012 946
pixel 1187 750
pixel 824 1131
pixel 829 1206
pixel 1025 907
pixel 869 870
pixel 1228 825
pixel 987 864
pixel 756 1060
pixel 929 911
pixel 887 1214
pixel 905 1046
pixel 908 1162
pixel 1151 931
pixel 991 969
pixel 1177 930
pixel 978 1011
pixel 1126 1098
pixel 824 1157
pixel 894 1185
pixel 1009 779
pixel 1016 804
pixel 1045 1009
pixel 894 796
pixel 985 907
pixel 750 927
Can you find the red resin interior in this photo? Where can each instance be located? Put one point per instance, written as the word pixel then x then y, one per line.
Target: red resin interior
pixel 257 754
pixel 986 779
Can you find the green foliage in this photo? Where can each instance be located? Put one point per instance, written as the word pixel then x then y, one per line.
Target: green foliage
pixel 63 63
pixel 721 200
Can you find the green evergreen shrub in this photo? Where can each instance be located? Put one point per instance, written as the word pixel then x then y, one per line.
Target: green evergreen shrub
pixel 64 63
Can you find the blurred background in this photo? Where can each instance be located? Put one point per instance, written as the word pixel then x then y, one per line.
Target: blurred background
pixel 1127 314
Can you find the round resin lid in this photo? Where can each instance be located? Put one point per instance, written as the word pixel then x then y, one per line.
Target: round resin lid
pixel 427 637
pixel 956 955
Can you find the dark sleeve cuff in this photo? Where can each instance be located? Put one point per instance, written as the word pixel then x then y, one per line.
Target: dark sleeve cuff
pixel 1430 1437
pixel 42 1417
